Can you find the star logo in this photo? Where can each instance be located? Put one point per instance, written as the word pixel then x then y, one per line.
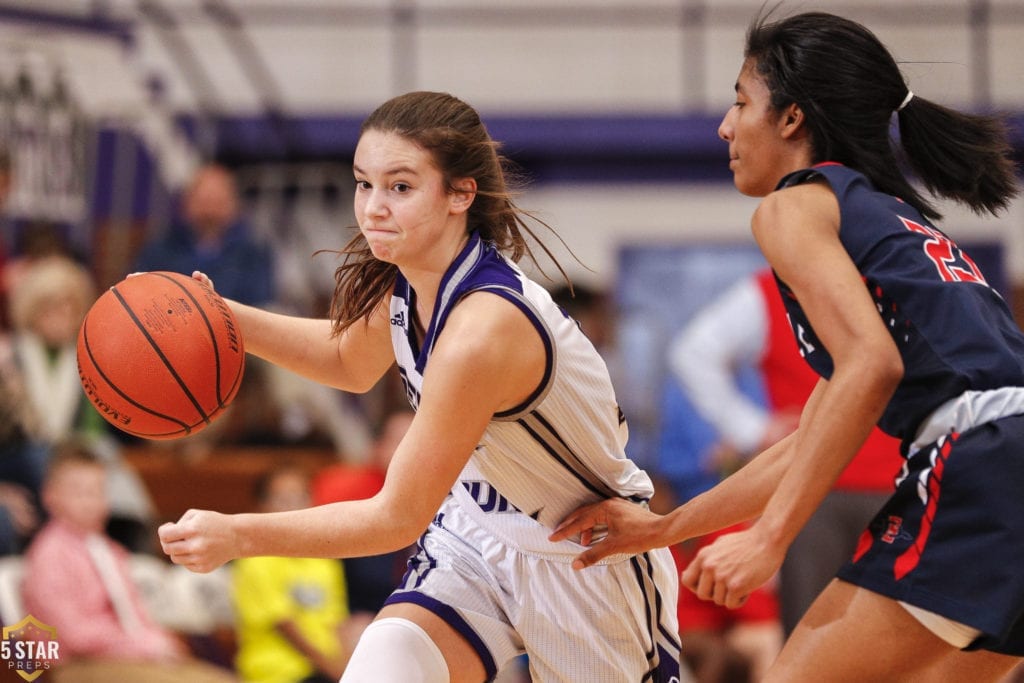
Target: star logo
pixel 29 647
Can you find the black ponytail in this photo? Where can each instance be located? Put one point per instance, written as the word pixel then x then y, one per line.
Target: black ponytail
pixel 848 86
pixel 965 157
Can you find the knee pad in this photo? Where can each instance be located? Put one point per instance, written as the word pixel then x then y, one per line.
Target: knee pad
pixel 396 649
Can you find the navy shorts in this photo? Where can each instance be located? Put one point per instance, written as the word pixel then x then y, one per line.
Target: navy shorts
pixel 951 538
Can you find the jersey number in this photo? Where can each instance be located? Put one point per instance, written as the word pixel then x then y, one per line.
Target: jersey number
pixel 803 344
pixel 951 262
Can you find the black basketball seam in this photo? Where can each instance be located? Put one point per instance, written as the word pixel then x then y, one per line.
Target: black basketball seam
pixel 95 364
pixel 233 389
pixel 160 354
pixel 185 431
pixel 209 328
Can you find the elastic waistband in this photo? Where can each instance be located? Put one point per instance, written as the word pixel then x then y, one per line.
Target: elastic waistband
pixel 514 529
pixel 969 409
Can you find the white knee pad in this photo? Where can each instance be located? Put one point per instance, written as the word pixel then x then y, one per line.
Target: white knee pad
pixel 395 650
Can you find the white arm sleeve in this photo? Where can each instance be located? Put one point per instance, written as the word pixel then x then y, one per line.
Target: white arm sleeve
pixel 704 356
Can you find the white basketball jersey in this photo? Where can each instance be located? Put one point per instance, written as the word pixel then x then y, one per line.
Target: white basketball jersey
pixel 563 447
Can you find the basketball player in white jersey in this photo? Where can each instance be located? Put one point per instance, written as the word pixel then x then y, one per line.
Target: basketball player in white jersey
pixel 516 425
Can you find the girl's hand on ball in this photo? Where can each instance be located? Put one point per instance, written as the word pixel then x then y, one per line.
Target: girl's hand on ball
pixel 204 278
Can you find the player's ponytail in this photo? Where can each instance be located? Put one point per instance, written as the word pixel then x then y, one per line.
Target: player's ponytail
pixel 966 157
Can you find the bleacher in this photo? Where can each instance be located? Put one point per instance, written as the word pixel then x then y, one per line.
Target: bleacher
pixel 222 480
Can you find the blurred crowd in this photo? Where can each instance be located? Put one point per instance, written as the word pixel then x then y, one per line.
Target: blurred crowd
pixel 78 547
pixel 77 523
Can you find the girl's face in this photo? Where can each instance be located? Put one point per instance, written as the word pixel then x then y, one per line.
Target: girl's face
pixel 402 204
pixel 759 153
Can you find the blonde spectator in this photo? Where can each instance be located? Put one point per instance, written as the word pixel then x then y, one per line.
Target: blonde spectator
pixel 39 363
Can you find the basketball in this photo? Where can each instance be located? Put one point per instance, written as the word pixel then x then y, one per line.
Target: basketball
pixel 160 355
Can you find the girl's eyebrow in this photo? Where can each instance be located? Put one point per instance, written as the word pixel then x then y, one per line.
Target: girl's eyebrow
pixel 398 170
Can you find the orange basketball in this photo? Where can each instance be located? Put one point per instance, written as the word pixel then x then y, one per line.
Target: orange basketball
pixel 160 355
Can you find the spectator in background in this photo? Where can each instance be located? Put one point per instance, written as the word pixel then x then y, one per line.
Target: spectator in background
pixel 589 307
pixel 20 464
pixel 6 180
pixel 721 644
pixel 370 579
pixel 310 412
pixel 77 580
pixel 211 235
pixel 21 459
pixel 39 364
pixel 290 611
pixel 38 240
pixel 48 303
pixel 748 326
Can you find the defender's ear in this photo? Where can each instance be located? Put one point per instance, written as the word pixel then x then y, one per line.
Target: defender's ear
pixel 791 121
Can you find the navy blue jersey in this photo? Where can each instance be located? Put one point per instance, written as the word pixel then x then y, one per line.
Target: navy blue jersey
pixel 954 331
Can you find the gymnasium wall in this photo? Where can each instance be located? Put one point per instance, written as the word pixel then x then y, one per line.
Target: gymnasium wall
pixel 611 105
